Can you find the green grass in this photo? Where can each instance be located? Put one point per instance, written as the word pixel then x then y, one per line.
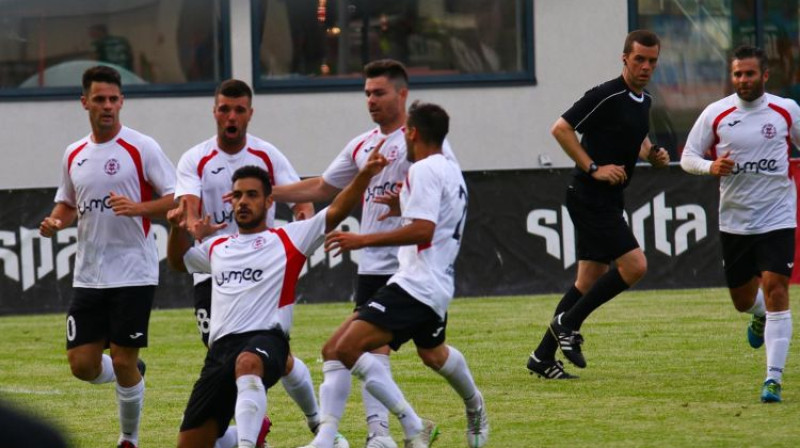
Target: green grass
pixel 666 369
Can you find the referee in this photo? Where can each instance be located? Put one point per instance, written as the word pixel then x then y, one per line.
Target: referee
pixel 613 121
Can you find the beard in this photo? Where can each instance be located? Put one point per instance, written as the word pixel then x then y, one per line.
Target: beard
pixel 251 224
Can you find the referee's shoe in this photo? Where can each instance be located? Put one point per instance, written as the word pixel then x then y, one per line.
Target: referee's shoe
pixel 569 341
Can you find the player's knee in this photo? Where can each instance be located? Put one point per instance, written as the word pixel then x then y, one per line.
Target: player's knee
pixel 633 271
pixel 347 354
pixel 329 351
pixel 82 370
pixel 123 363
pixel 248 363
pixel 432 358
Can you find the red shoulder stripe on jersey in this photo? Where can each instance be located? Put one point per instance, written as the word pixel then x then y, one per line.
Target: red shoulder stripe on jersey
pixel 421 247
pixel 145 189
pixel 408 184
pixel 265 157
pixel 295 260
pixel 73 154
pixel 217 241
pixel 788 117
pixel 358 146
pixel 361 143
pixel 204 161
pixel 713 148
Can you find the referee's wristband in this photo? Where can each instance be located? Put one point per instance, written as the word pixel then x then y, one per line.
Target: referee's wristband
pixel 592 168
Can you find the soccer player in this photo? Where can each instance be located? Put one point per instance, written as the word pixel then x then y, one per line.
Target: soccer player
pixel 613 118
pixel 254 274
pixel 413 304
pixel 386 89
pixel 107 184
pixel 204 178
pixel 749 135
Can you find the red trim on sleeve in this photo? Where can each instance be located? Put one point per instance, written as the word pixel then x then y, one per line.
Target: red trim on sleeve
pixel 73 154
pixel 204 161
pixel 295 260
pixel 719 118
pixel 421 247
pixel 265 157
pixel 145 189
pixel 219 240
pixel 788 117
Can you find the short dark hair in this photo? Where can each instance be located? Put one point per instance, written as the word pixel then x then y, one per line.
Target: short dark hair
pixel 100 73
pixel 394 70
pixel 252 171
pixel 749 51
pixel 234 88
pixel 646 38
pixel 430 120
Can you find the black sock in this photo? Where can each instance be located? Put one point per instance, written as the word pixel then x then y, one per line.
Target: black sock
pixel 546 351
pixel 606 288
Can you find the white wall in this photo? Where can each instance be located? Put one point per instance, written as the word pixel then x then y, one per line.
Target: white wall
pixel 578 44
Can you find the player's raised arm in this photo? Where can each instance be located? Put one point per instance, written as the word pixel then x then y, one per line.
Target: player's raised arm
pixel 314 189
pixel 351 195
pixel 178 242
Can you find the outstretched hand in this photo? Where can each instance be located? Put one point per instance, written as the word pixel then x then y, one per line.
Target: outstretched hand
pixel 391 199
pixel 339 242
pixel 203 228
pixel 376 161
pixel 177 216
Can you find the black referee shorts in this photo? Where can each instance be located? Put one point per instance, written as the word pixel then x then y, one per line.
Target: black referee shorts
pixel 601 231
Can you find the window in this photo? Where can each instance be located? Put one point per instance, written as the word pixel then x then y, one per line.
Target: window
pixel 307 43
pixel 697 39
pixel 161 45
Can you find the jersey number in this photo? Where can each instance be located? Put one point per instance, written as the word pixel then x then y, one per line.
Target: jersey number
pixel 462 194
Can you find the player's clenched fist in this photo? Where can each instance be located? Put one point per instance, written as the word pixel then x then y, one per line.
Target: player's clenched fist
pixel 50 226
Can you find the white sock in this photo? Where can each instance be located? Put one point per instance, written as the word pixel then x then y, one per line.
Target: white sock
pixel 759 308
pixel 228 440
pixel 456 372
pixel 377 414
pixel 777 334
pixel 130 401
pixel 380 384
pixel 106 371
pixel 333 394
pixel 299 386
pixel 251 406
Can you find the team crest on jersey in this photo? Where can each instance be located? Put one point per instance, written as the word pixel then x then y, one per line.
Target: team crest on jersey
pixel 112 167
pixel 391 154
pixel 768 131
pixel 259 242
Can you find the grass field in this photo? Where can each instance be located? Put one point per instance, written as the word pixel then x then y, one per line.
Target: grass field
pixel 666 369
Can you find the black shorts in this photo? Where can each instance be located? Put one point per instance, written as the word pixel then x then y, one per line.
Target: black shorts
pixel 117 315
pixel 747 256
pixel 395 310
pixel 214 393
pixel 367 286
pixel 202 308
pixel 601 231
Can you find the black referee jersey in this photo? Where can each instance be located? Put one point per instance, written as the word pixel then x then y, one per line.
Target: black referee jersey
pixel 614 121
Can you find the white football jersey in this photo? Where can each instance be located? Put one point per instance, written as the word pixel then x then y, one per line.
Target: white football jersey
pixel 759 196
pixel 114 251
pixel 205 171
pixel 254 275
pixel 434 191
pixel 342 170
